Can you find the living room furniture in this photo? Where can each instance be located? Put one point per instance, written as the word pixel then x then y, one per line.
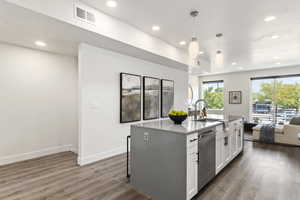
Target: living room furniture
pixel 284 134
pixel 249 125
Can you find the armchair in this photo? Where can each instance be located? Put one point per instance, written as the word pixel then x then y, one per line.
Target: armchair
pixel 290 135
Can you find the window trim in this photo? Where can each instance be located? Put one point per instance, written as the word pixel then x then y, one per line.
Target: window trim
pixel 274 77
pixel 216 81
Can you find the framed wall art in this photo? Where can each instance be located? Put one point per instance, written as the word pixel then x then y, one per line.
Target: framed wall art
pixel 151 93
pixel 235 97
pixel 130 98
pixel 167 97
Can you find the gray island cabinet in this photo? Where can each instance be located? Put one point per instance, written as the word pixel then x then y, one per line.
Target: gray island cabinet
pixel 174 162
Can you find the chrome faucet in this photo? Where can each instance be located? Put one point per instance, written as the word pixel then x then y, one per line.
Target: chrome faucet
pixel 196 107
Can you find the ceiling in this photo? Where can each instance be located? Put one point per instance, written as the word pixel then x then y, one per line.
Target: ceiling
pixel 23 27
pixel 247 37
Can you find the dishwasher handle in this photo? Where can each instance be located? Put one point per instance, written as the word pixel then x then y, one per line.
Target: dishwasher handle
pixel 207 133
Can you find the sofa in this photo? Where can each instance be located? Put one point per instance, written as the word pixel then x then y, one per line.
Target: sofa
pixel 284 134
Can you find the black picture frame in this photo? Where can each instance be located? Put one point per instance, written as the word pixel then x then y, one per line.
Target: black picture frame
pixel 235 97
pixel 164 113
pixel 146 108
pixel 138 102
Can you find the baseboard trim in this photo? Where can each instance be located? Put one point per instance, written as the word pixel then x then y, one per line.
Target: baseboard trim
pixel 35 154
pixel 100 156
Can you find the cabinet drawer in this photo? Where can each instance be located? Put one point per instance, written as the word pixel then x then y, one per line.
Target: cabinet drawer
pixel 237 123
pixel 219 128
pixel 220 133
pixel 192 140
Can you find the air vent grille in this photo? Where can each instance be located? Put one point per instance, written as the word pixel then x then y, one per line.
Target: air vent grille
pixel 80 13
pixel 85 15
pixel 90 17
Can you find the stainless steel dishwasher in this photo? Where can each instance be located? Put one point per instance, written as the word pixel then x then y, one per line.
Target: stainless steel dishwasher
pixel 206 157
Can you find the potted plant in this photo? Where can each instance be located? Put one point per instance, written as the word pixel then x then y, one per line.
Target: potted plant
pixel 178 116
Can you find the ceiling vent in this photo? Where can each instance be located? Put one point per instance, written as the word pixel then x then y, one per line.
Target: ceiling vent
pixel 83 14
pixel 90 17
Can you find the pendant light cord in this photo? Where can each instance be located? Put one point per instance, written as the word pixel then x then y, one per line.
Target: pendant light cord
pixel 194 28
pixel 194 14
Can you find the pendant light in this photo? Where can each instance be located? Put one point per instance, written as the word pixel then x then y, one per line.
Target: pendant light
pixel 219 60
pixel 194 48
pixel 194 44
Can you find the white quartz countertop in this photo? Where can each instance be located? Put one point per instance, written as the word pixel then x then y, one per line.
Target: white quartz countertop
pixel 187 127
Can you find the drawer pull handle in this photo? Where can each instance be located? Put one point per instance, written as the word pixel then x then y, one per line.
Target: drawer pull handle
pixel 193 140
pixel 225 141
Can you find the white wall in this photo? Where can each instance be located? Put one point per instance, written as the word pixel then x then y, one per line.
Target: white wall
pixel 240 81
pixel 38 103
pixel 101 134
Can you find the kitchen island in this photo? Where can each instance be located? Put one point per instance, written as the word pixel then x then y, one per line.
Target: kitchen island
pixel 175 162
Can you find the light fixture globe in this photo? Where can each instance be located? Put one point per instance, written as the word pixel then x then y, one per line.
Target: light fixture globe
pixel 219 59
pixel 194 44
pixel 193 48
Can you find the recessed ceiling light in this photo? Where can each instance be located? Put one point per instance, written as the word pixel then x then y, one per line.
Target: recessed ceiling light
pixel 182 43
pixel 155 28
pixel 275 36
pixel 234 63
pixel 276 57
pixel 201 52
pixel 111 3
pixel 240 68
pixel 278 63
pixel 269 18
pixel 40 43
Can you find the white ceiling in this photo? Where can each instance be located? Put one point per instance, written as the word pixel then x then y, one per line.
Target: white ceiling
pixel 23 27
pixel 246 38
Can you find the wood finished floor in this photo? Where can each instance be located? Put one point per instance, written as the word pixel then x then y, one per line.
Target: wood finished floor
pixel 263 172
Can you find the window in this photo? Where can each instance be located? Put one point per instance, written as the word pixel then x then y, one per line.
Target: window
pixel 213 94
pixel 275 99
